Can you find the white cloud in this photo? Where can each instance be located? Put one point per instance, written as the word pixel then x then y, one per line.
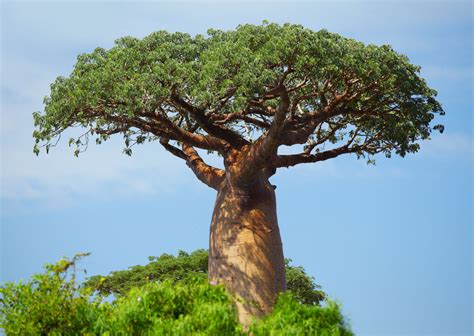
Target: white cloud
pixel 100 172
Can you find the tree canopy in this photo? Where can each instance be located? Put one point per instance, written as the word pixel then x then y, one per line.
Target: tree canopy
pixel 250 90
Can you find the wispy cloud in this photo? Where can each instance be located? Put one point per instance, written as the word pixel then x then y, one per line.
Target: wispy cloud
pixel 449 145
pixel 98 173
pixel 59 178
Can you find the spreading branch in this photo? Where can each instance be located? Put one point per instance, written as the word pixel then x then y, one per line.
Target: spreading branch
pixel 231 137
pixel 349 147
pixel 209 175
pixel 294 159
pixel 261 152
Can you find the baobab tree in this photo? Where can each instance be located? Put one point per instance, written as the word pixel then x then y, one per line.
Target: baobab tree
pixel 243 94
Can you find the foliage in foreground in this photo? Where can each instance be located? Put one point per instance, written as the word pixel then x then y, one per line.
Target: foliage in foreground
pixel 187 266
pixel 53 303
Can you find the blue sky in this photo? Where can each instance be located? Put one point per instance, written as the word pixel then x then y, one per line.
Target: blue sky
pixel 392 243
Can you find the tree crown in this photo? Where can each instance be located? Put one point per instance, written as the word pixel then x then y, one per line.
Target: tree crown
pixel 250 90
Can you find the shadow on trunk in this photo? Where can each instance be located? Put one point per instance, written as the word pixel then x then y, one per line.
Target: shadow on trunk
pixel 246 252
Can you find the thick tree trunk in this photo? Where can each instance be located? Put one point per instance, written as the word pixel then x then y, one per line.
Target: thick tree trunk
pixel 245 251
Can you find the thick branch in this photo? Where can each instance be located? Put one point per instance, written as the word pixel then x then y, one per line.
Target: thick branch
pixel 242 115
pixel 294 159
pixel 234 139
pixel 298 131
pixel 159 123
pixel 211 176
pixel 266 146
pixel 172 149
pixel 305 157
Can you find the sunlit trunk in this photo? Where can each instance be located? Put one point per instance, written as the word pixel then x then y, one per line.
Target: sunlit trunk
pixel 245 252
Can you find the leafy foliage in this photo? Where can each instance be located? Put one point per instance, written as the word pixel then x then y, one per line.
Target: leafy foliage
pixel 53 303
pixel 182 268
pixel 223 85
pixel 187 267
pixel 173 309
pixel 292 318
pixel 302 286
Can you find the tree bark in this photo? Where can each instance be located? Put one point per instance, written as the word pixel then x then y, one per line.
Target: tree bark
pixel 245 249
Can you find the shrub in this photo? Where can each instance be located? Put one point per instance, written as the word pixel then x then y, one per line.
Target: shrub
pixel 186 266
pixel 53 303
pixel 50 303
pixel 193 308
pixel 289 317
pixel 183 267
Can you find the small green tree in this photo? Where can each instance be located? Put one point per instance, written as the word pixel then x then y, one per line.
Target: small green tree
pixel 189 266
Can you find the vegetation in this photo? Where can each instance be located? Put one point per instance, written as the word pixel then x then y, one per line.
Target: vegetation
pixel 50 303
pixel 187 267
pixel 54 303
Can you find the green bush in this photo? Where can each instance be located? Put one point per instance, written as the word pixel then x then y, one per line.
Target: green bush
pixel 186 266
pixel 182 268
pixel 50 303
pixel 173 309
pixel 289 317
pixel 53 303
